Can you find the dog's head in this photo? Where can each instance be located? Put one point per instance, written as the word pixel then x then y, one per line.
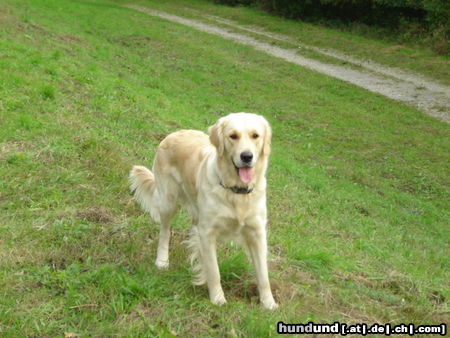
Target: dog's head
pixel 242 141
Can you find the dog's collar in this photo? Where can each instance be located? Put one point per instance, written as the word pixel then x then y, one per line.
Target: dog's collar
pixel 238 190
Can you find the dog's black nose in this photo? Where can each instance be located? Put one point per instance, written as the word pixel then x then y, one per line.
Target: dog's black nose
pixel 246 156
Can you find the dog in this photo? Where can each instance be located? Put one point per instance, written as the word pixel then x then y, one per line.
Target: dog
pixel 220 179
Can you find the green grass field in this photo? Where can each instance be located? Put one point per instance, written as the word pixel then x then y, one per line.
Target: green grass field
pixel 358 185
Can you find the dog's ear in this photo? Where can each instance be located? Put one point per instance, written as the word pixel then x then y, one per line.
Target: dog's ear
pixel 216 136
pixel 267 138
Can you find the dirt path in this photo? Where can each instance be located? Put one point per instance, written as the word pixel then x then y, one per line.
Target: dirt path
pixel 424 94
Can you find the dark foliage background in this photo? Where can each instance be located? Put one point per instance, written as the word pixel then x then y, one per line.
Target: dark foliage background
pixel 424 20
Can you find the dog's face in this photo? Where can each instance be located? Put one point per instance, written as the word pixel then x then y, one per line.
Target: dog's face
pixel 243 139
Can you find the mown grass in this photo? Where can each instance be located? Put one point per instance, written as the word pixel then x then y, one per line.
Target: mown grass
pixel 358 185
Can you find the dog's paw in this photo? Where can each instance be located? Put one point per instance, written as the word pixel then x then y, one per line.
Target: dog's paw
pixel 162 265
pixel 269 304
pixel 218 299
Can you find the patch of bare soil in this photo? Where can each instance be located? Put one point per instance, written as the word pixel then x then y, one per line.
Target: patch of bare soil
pixel 13 147
pixel 416 91
pixel 96 214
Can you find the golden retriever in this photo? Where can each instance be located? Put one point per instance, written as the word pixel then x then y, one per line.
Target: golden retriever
pixel 220 179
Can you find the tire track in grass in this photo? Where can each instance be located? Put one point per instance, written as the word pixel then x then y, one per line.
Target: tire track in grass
pixel 433 100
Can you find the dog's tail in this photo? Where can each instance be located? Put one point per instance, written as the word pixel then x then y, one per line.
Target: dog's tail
pixel 143 187
pixel 193 244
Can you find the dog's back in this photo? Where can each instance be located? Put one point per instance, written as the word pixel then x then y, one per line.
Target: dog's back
pixel 174 173
pixel 179 155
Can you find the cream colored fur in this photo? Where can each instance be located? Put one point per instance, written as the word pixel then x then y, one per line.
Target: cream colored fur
pixel 197 170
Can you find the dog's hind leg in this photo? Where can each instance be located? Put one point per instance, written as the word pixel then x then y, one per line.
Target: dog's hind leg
pixel 159 197
pixel 193 244
pixel 168 192
pixel 162 256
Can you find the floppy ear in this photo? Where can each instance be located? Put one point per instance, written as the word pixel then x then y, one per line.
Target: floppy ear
pixel 216 136
pixel 267 138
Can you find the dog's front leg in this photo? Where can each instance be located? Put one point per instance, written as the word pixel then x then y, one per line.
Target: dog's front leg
pixel 255 238
pixel 208 255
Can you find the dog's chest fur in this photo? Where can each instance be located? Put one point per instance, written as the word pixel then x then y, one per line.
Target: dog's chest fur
pixel 237 212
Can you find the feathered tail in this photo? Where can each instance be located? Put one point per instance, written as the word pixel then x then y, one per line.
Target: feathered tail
pixel 143 187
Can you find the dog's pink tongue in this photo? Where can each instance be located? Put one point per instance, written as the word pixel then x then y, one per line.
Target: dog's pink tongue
pixel 246 175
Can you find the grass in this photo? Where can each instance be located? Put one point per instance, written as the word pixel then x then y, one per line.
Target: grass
pixel 358 184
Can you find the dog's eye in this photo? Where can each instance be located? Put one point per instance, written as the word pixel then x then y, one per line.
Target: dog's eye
pixel 233 136
pixel 255 136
